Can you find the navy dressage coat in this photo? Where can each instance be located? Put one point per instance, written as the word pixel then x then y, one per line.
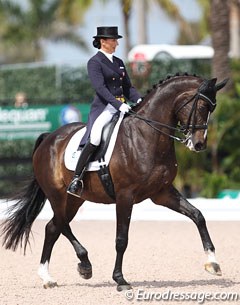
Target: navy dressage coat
pixel 109 80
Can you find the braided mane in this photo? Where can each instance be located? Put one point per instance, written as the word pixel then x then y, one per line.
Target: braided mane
pixel 163 81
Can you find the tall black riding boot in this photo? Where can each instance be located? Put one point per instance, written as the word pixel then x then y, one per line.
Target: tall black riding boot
pixel 76 184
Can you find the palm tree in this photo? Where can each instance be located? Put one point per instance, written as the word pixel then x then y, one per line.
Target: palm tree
pixel 173 12
pixel 168 7
pixel 72 11
pixel 220 32
pixel 126 6
pixel 24 31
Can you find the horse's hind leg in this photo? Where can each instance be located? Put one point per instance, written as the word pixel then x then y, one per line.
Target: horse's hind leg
pixel 60 224
pixel 84 267
pixel 52 232
pixel 175 201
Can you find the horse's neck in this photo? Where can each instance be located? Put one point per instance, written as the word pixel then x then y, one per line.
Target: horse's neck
pixel 146 126
pixel 159 105
pixel 159 109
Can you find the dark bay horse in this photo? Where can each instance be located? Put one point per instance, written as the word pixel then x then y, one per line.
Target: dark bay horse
pixel 143 165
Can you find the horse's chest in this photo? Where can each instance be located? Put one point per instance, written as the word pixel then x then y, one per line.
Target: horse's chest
pixel 164 174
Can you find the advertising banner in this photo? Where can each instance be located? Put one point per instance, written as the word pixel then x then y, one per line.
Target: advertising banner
pixel 30 122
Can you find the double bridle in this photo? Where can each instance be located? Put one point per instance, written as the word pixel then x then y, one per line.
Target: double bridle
pixel 187 129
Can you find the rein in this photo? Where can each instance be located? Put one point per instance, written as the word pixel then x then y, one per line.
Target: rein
pixel 184 129
pixel 151 123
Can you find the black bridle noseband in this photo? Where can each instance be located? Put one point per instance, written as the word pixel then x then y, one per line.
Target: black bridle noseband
pixel 183 129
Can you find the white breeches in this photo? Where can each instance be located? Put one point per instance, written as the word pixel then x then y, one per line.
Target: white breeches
pixel 100 122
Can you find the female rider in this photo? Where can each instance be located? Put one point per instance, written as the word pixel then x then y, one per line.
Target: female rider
pixel 112 85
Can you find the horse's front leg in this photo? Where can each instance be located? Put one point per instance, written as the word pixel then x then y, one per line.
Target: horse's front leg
pixel 123 211
pixel 175 201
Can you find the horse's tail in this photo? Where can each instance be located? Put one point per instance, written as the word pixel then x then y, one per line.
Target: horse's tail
pixel 30 201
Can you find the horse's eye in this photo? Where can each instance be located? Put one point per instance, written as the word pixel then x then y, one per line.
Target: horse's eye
pixel 201 110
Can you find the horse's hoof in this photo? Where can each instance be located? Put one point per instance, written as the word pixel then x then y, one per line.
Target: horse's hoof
pixel 213 268
pixel 86 273
pixel 124 287
pixel 50 285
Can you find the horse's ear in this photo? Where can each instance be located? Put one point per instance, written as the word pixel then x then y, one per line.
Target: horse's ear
pixel 212 82
pixel 222 84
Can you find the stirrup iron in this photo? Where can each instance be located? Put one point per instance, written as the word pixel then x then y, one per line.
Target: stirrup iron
pixel 79 187
pixel 76 188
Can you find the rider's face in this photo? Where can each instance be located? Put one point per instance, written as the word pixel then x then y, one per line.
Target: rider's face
pixel 109 45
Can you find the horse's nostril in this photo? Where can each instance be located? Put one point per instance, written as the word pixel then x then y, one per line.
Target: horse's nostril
pixel 199 146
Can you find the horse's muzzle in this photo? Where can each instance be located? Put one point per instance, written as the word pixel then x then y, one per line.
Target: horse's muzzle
pixel 196 144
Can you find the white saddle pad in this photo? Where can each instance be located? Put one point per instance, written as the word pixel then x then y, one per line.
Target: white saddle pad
pixel 71 154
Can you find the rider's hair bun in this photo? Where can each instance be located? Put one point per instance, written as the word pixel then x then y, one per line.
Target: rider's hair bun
pixel 96 43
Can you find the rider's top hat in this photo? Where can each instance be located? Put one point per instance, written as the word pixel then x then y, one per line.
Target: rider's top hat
pixel 107 32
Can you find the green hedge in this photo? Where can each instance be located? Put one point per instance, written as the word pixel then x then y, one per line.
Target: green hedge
pixel 67 84
pixel 39 83
pixel 15 165
pixel 158 70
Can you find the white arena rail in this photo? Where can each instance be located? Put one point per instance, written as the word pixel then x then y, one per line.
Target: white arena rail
pixel 225 209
